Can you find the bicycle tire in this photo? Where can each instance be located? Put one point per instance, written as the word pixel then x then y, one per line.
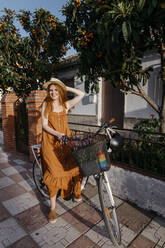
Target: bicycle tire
pixel 109 212
pixel 38 178
pixel 84 183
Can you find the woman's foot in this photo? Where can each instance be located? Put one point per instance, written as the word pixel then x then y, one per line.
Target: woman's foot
pixel 69 197
pixel 79 199
pixel 52 216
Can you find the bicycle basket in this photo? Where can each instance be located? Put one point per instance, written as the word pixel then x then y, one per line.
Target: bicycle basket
pixel 91 156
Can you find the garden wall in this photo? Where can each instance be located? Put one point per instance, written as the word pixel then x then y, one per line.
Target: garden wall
pixel 146 192
pixel 33 101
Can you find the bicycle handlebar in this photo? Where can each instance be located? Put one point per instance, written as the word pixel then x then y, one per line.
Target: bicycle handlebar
pixel 65 138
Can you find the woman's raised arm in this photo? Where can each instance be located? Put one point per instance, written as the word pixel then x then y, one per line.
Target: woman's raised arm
pixel 79 95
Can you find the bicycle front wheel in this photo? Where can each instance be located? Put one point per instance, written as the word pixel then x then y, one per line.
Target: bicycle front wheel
pixel 109 211
pixel 38 178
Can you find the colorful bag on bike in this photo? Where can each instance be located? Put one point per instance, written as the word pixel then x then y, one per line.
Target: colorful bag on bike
pixel 92 158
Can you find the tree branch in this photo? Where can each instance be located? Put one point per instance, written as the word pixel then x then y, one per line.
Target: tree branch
pixel 130 92
pixel 142 94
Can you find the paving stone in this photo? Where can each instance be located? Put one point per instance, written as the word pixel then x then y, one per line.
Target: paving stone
pixel 63 206
pixel 94 202
pixel 89 191
pixel 19 161
pixel 1 174
pixel 82 242
pixel 160 233
pixel 142 242
pixel 99 236
pixel 132 217
pixel 3 212
pixel 5 165
pixel 127 235
pixel 77 225
pixel 10 161
pixel 11 191
pixel 38 195
pixel 82 217
pixel 5 181
pixel 13 170
pixel 3 154
pixel 25 242
pixel 21 176
pixel 58 235
pixel 20 203
pixel 27 184
pixel 27 165
pixel 10 232
pixel 3 160
pixel 155 231
pixel 1 245
pixel 118 202
pixel 33 218
pixel 31 170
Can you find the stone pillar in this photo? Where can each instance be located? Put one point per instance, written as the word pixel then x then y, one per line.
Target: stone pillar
pixel 34 101
pixel 8 121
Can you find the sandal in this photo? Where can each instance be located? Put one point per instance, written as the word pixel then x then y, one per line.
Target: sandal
pixel 78 199
pixel 52 216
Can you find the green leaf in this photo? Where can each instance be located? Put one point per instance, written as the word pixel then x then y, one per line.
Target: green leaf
pixel 102 8
pixel 141 4
pixel 125 31
pixel 154 3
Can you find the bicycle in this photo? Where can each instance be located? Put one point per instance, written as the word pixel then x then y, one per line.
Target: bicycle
pixel 113 141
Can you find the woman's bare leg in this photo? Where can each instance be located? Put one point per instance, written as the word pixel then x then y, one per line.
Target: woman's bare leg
pixel 52 213
pixel 53 202
pixel 77 186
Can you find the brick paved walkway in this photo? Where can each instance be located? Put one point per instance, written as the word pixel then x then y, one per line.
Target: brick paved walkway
pixel 24 223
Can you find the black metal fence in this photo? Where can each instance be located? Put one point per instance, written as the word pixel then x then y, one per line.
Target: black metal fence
pixel 146 155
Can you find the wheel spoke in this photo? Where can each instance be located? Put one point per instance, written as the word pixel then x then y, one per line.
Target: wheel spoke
pixel 38 179
pixel 109 212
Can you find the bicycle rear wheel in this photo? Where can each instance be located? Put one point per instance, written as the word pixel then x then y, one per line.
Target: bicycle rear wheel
pixel 38 178
pixel 109 211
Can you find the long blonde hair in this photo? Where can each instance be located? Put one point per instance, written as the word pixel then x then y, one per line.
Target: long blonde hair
pixel 49 102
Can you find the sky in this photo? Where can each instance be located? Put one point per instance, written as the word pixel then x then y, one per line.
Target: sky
pixel 54 6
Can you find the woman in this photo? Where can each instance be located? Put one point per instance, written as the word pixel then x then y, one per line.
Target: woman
pixel 59 168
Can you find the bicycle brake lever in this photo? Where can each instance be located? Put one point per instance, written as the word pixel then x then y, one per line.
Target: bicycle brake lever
pixel 65 139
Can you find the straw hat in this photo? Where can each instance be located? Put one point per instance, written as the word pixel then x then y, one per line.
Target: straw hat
pixel 55 81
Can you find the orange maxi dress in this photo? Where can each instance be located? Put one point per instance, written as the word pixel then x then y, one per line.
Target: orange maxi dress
pixel 60 170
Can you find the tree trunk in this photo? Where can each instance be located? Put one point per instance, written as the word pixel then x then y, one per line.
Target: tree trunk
pixel 162 117
pixel 162 113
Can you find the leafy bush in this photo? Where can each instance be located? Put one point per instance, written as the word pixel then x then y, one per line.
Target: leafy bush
pixel 147 152
pixel 148 130
pixel 146 127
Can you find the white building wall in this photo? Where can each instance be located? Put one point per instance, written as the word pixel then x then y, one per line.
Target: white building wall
pixel 84 107
pixel 135 106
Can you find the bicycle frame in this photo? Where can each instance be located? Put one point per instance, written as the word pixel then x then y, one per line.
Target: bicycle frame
pixel 34 148
pixel 108 132
pixel 109 189
pixel 104 189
